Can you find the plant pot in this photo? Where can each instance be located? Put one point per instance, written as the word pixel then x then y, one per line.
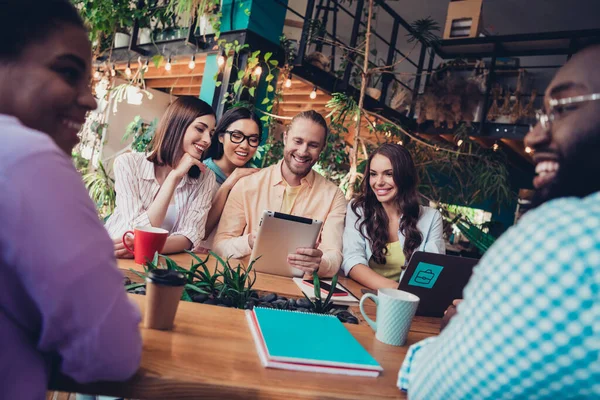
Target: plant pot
pixel 374 93
pixel 205 26
pixel 145 35
pixel 122 39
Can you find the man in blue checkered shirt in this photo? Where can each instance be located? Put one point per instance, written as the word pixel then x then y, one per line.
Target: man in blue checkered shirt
pixel 529 324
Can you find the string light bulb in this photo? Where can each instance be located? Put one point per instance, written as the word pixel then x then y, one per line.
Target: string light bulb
pixel 113 70
pixel 495 147
pixel 192 63
pixel 313 94
pixel 288 81
pixel 221 60
pixel 128 70
pixel 400 142
pixel 145 65
pixel 258 70
pixel 97 74
pixel 528 150
pixel 459 143
pixel 168 64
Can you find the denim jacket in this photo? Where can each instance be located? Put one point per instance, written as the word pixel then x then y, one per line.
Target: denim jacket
pixel 357 249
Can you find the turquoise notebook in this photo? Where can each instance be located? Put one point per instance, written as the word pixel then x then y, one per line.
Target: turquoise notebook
pixel 308 342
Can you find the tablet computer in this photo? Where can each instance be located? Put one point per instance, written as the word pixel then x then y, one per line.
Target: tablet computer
pixel 279 235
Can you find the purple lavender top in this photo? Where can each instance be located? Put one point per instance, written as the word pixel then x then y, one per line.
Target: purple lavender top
pixel 62 302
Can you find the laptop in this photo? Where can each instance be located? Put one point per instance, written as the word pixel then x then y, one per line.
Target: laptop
pixel 436 279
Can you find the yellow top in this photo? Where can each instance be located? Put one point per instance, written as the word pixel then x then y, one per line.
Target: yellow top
pixel 289 197
pixel 394 262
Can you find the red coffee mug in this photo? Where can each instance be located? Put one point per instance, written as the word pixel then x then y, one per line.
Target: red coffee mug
pixel 147 240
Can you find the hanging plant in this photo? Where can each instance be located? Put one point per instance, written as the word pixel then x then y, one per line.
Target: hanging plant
pixel 449 99
pixel 196 10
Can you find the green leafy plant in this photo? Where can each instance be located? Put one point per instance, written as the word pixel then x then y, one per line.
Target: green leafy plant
pixel 237 282
pixel 141 132
pixel 80 163
pixel 106 17
pixel 248 78
pixel 231 284
pixel 424 31
pixel 318 305
pixel 101 188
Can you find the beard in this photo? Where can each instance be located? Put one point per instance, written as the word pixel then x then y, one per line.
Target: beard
pixel 300 171
pixel 578 175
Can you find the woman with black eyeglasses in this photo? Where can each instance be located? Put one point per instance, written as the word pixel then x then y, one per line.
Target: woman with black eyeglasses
pixel 236 139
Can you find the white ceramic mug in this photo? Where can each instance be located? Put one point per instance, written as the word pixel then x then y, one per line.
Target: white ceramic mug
pixel 395 311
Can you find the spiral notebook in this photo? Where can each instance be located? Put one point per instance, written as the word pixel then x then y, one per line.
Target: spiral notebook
pixel 308 342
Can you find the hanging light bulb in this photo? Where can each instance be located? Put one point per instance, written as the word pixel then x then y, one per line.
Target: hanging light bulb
pixel 168 64
pixel 313 94
pixel 221 60
pixel 97 74
pixel 400 142
pixel 113 70
pixel 288 81
pixel 145 65
pixel 495 147
pixel 459 143
pixel 128 70
pixel 528 150
pixel 258 70
pixel 388 134
pixel 192 63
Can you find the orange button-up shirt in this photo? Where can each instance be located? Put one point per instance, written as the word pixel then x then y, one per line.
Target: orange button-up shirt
pixel 264 190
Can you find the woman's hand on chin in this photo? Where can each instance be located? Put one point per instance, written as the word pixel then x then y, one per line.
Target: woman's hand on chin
pixel 187 162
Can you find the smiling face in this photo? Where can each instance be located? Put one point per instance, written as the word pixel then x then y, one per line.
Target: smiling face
pixel 239 154
pixel 198 135
pixel 302 146
pixel 567 154
pixel 48 85
pixel 381 179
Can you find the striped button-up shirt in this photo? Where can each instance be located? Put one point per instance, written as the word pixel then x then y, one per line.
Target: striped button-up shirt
pixel 136 187
pixel 264 190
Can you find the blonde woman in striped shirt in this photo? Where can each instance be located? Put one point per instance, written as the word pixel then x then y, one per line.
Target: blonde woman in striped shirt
pixel 170 188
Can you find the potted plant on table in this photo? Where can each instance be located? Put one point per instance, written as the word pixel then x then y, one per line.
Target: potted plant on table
pixel 229 286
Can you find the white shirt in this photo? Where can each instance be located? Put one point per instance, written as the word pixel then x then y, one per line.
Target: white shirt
pixel 170 218
pixel 136 187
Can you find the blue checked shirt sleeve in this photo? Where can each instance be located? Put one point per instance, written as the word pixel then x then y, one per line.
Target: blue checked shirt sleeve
pixel 404 374
pixel 528 325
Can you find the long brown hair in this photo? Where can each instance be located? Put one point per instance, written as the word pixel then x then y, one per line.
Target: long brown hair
pixel 375 220
pixel 166 147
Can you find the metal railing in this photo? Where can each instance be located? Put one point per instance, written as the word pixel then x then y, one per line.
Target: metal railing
pixel 327 10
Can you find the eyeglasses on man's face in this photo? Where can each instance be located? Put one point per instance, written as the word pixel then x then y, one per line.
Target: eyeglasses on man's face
pixel 558 107
pixel 238 137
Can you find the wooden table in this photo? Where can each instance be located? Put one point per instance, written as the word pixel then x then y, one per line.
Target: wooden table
pixel 210 353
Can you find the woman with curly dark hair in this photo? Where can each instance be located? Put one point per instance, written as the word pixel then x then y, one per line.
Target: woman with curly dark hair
pixel 385 224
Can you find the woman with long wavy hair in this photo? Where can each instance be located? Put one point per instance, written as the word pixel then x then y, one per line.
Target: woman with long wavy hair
pixel 385 224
